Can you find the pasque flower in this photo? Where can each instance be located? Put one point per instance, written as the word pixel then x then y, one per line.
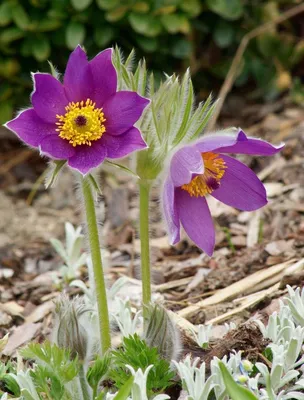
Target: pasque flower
pixel 203 168
pixel 84 119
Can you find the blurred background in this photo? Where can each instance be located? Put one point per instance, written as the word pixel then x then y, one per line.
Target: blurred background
pixel 170 34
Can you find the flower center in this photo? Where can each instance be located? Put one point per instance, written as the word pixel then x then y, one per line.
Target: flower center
pixel 82 123
pixel 206 183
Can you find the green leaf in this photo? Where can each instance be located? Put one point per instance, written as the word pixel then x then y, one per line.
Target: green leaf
pixel 116 14
pixel 103 35
pixel 26 395
pixel 145 24
pixel 74 34
pixel 5 13
pixel 10 35
pixel 175 23
pixel 98 371
pixel 41 48
pixel 20 17
pixel 223 34
pixel 58 361
pixel 125 390
pixel 122 167
pixel 147 44
pixel 6 111
pixel 181 48
pixel 228 9
pixel 46 25
pixel 138 354
pixel 107 4
pixel 141 7
pixel 236 392
pixel 191 7
pixel 81 5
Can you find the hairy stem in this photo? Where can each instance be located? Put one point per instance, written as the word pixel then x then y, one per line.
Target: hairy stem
pixel 83 384
pixel 101 295
pixel 144 195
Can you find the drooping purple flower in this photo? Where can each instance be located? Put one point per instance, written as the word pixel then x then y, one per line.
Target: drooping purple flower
pixel 84 119
pixel 202 169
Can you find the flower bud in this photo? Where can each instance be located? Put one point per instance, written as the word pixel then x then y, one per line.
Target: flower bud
pixel 162 333
pixel 71 332
pixel 242 378
pixel 247 365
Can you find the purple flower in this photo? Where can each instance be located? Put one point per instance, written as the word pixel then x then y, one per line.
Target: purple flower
pixel 84 119
pixel 202 169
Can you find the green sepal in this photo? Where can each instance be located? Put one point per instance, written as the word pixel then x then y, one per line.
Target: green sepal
pixel 124 168
pixel 95 184
pixel 54 173
pixel 54 72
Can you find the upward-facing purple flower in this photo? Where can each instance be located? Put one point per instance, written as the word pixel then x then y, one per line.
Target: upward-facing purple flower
pixel 202 169
pixel 84 119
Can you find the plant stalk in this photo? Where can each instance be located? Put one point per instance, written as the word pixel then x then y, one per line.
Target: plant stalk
pixel 144 196
pixel 83 384
pixel 100 288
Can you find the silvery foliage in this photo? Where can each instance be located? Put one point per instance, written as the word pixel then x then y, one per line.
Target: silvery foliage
pixel 127 324
pixel 295 302
pixel 234 366
pixel 281 327
pixel 170 119
pixel 4 396
pixel 194 378
pixel 90 293
pixel 229 326
pixel 139 387
pixel 203 335
pixel 71 253
pixel 26 384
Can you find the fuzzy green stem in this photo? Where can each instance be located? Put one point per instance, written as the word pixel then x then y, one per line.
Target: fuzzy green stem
pixel 100 288
pixel 144 195
pixel 83 384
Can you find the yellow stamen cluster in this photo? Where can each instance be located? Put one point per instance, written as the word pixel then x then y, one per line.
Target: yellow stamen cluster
pixel 82 123
pixel 206 183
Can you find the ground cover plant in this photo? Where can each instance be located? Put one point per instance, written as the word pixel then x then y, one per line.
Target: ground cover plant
pixel 105 109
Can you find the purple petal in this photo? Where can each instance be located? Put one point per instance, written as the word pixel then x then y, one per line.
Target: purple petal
pixel 240 187
pixel 170 211
pixel 122 110
pixel 184 163
pixel 78 79
pixel 104 77
pixel 247 145
pixel 30 128
pixel 56 147
pixel 214 142
pixel 196 219
pixel 122 145
pixel 48 97
pixel 88 157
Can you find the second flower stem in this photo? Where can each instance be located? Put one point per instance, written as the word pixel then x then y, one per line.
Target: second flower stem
pixel 144 196
pixel 100 288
